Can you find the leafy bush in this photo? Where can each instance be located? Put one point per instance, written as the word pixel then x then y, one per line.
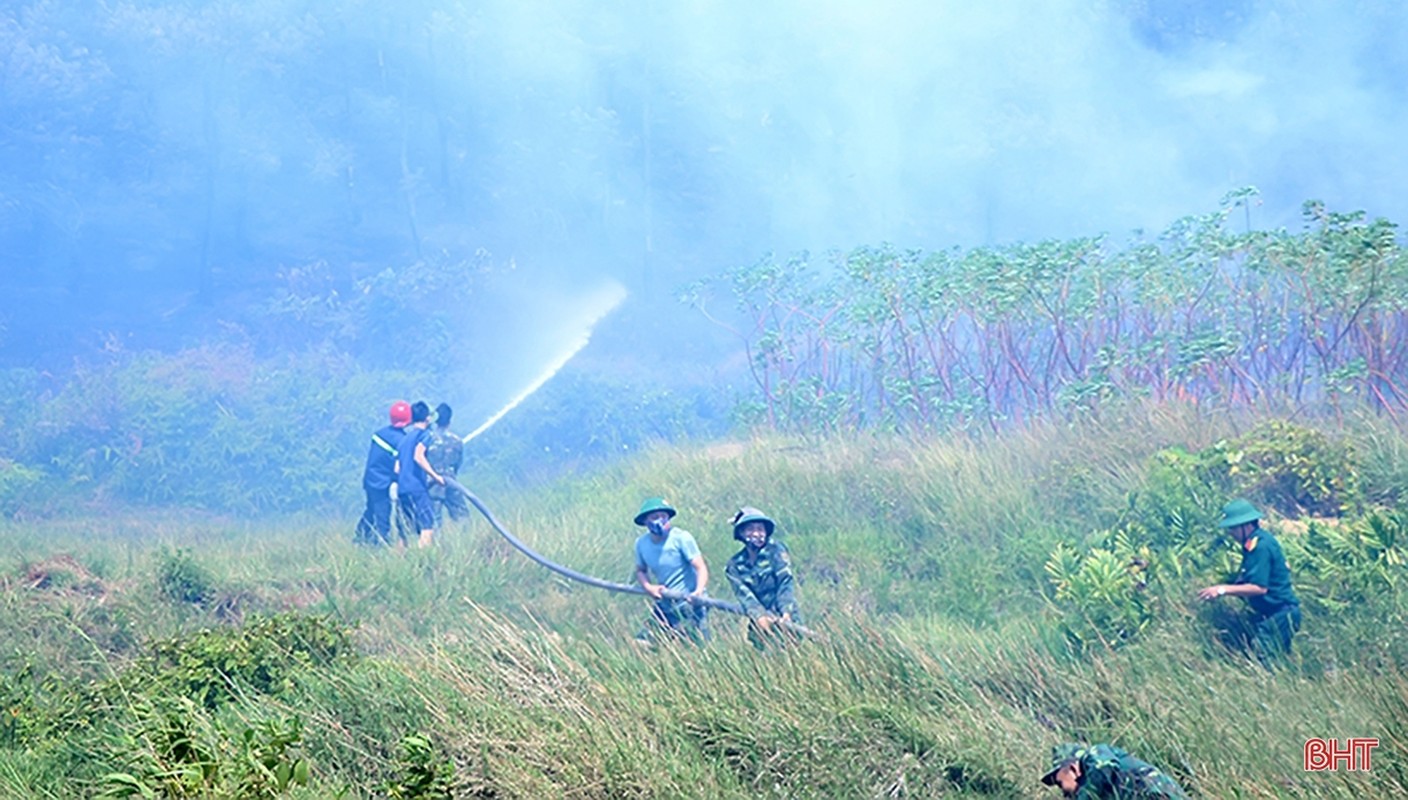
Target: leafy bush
pixel 1179 501
pixel 17 485
pixel 269 759
pixel 1101 596
pixel 1294 469
pixel 215 426
pixel 1360 563
pixel 421 773
pixel 1282 467
pixel 180 578
pixel 173 722
pixel 215 665
pixel 1167 540
pixel 178 752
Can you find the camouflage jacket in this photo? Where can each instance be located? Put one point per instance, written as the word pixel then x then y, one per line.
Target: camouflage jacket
pixel 1109 773
pixel 445 452
pixel 765 586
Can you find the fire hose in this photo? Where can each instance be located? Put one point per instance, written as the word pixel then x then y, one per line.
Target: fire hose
pixel 623 588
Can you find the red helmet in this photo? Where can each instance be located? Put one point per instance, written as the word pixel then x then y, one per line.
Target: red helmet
pixel 400 413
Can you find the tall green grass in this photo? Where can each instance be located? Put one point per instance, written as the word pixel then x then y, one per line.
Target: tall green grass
pixel 940 671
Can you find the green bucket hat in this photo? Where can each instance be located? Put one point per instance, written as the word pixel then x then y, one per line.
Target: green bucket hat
pixel 1061 755
pixel 651 505
pixel 1238 512
pixel 749 514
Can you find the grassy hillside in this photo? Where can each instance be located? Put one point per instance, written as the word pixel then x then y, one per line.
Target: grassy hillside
pixel 182 656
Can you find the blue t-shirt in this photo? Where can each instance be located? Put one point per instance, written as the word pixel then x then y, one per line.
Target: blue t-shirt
pixel 412 476
pixel 381 459
pixel 668 560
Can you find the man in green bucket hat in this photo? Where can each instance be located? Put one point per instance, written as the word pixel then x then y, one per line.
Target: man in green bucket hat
pixel 668 558
pixel 761 575
pixel 1088 772
pixel 1264 581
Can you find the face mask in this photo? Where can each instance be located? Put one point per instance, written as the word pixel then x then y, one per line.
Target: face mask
pixel 656 527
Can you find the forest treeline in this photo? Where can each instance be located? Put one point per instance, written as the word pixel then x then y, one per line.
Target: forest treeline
pixel 883 337
pixel 273 415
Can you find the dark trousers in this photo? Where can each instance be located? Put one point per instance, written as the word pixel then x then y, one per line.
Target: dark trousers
pixel 1271 635
pixel 417 513
pixel 681 619
pixel 375 525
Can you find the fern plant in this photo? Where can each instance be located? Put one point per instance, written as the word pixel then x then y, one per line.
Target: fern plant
pixel 1361 563
pixel 1101 596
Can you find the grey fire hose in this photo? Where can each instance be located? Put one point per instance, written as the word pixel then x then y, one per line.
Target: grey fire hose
pixel 624 588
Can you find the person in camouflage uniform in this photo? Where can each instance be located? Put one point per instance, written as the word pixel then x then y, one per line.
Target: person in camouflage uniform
pixel 445 452
pixel 761 575
pixel 1089 772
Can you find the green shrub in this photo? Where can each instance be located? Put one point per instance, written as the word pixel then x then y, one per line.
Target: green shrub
pixel 1361 563
pixel 421 773
pixel 181 579
pixel 1288 469
pixel 209 427
pixel 268 760
pixel 213 666
pixel 1293 469
pixel 1101 596
pixel 179 752
pixel 17 484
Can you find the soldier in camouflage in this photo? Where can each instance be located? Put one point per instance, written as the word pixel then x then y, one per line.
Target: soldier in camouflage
pixel 445 452
pixel 1088 772
pixel 761 575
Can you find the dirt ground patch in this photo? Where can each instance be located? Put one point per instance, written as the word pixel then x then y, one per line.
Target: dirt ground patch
pixel 62 574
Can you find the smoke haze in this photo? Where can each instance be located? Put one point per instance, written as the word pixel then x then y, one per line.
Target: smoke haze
pixel 164 165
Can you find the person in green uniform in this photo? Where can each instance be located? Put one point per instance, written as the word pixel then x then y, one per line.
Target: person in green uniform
pixel 761 575
pixel 1089 772
pixel 1264 581
pixel 445 452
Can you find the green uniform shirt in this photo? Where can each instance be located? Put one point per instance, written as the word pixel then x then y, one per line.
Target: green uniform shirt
pixel 764 586
pixel 1109 773
pixel 1263 564
pixel 445 452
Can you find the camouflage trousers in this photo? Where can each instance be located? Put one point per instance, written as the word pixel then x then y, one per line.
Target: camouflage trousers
pixel 448 500
pixel 777 636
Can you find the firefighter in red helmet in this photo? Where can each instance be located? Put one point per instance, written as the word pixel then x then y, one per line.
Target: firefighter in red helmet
pixel 380 476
